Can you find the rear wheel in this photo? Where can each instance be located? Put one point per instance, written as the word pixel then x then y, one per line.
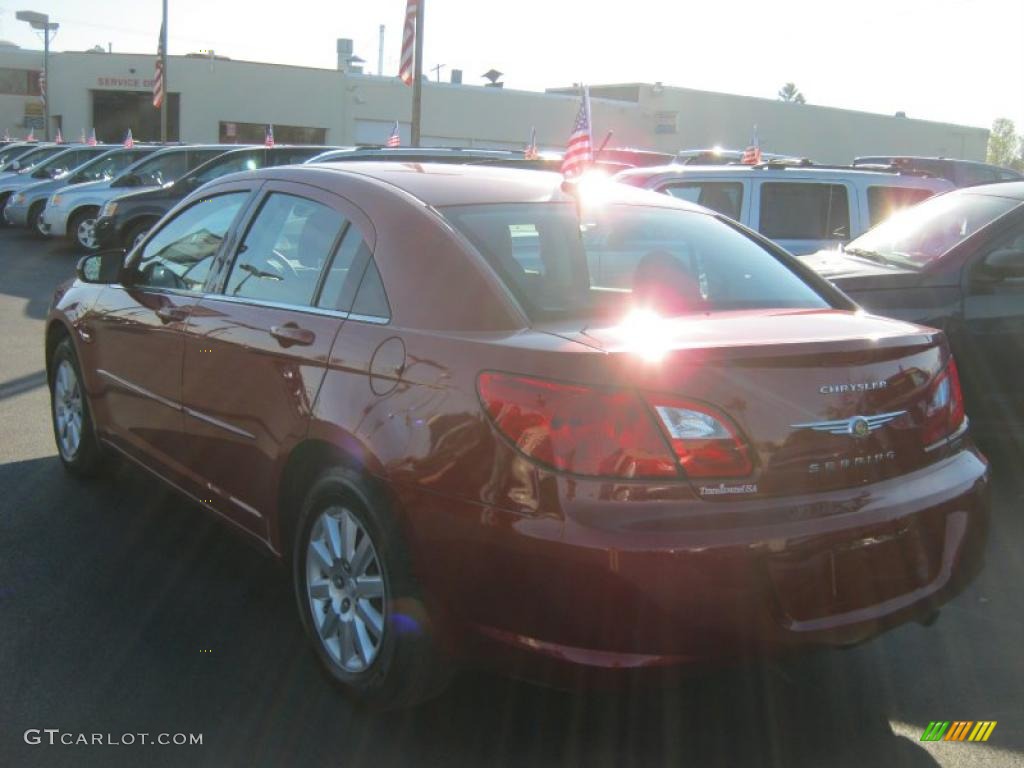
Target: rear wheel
pixel 82 229
pixel 4 197
pixel 357 597
pixel 35 219
pixel 73 429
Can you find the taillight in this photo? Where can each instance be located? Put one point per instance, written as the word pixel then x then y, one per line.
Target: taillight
pixel 589 431
pixel 704 441
pixel 576 428
pixel 944 411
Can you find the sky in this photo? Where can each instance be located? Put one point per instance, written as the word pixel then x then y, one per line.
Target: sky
pixel 956 61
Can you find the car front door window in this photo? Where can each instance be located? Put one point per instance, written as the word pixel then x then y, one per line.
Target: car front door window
pixel 180 254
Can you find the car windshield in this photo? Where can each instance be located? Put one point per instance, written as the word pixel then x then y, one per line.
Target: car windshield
pixel 36 156
pixel 920 235
pixel 10 154
pixel 162 168
pixel 561 262
pixel 222 166
pixel 105 167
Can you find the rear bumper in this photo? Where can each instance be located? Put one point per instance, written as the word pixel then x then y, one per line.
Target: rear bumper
pixel 839 569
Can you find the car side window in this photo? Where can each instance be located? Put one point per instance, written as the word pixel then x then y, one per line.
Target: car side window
pixel 371 300
pixel 181 253
pixel 797 211
pixel 342 278
pixel 288 243
pixel 883 202
pixel 724 197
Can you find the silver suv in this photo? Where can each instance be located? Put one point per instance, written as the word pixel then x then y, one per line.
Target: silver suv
pixel 803 208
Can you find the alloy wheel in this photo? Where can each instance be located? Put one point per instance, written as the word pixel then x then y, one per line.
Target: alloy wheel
pixel 346 589
pixel 86 234
pixel 67 410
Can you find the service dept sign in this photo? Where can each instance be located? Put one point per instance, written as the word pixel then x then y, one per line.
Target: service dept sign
pixel 126 83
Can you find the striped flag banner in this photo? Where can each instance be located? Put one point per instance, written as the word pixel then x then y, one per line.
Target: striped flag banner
pixel 91 141
pixel 158 74
pixel 395 139
pixel 531 152
pixel 579 153
pixel 405 66
pixel 129 140
pixel 268 138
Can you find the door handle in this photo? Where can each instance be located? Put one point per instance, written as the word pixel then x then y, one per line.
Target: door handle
pixel 290 333
pixel 172 314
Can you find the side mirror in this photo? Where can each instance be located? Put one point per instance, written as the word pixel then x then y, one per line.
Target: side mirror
pixel 1004 263
pixel 102 268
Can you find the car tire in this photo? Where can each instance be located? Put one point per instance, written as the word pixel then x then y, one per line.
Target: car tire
pixel 73 429
pixel 82 229
pixel 4 197
pixel 35 218
pixel 135 233
pixel 335 574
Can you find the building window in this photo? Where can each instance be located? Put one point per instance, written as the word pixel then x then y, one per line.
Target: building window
pixel 19 82
pixel 255 133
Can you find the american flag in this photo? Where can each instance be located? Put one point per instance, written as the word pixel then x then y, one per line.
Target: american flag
pixel 531 148
pixel 42 86
pixel 129 141
pixel 268 139
pixel 31 135
pixel 395 139
pixel 752 154
pixel 580 152
pixel 91 141
pixel 405 66
pixel 59 139
pixel 158 76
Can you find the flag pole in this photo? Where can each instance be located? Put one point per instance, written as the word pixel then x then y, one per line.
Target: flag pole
pixel 167 92
pixel 417 75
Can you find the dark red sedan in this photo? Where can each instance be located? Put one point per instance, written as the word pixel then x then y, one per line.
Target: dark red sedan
pixel 486 414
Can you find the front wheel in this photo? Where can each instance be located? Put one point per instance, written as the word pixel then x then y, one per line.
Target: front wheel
pixel 357 598
pixel 73 428
pixel 35 219
pixel 82 229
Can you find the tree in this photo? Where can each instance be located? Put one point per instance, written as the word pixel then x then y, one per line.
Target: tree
pixel 789 92
pixel 1004 145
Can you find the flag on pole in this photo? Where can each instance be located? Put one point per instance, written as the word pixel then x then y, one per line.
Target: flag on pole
pixel 580 152
pixel 59 139
pixel 91 141
pixel 42 86
pixel 31 135
pixel 531 152
pixel 395 139
pixel 158 75
pixel 752 154
pixel 129 142
pixel 268 138
pixel 408 42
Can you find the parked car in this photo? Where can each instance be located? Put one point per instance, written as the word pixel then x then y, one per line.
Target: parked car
pixel 954 262
pixel 673 443
pixel 802 208
pixel 963 173
pixel 55 166
pixel 125 219
pixel 13 151
pixel 72 211
pixel 720 156
pixel 459 155
pixel 29 159
pixel 25 208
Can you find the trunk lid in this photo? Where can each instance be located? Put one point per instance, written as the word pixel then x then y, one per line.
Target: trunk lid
pixel 826 398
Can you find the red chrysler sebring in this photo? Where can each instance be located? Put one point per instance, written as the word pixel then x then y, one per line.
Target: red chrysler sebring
pixel 486 414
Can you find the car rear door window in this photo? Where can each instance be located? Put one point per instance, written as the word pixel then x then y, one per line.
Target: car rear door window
pixel 284 251
pixel 724 197
pixel 343 275
pixel 798 211
pixel 371 300
pixel 883 202
pixel 180 254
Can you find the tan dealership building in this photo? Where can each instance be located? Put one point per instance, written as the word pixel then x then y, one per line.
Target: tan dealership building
pixel 217 99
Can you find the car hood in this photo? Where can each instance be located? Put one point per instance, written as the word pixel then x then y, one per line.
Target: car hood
pixel 85 188
pixel 10 183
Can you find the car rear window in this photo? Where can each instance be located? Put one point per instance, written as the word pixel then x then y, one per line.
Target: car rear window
pixel 883 202
pixel 562 262
pixel 726 197
pixel 796 211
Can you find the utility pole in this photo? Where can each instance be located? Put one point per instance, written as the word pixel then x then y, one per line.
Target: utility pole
pixel 437 71
pixel 380 52
pixel 42 21
pixel 417 75
pixel 164 106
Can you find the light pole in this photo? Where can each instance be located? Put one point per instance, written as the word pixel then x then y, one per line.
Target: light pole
pixel 42 21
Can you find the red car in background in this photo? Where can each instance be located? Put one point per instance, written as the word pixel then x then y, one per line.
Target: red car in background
pixel 489 415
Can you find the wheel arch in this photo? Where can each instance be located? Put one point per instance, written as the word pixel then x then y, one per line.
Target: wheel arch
pixel 56 332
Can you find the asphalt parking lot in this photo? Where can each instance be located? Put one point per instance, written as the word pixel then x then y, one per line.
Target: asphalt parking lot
pixel 123 609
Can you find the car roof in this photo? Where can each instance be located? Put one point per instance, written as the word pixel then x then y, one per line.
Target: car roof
pixel 444 184
pixel 1011 189
pixel 780 171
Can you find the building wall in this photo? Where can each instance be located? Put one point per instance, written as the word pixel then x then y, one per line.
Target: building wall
pixel 362 108
pixel 13 107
